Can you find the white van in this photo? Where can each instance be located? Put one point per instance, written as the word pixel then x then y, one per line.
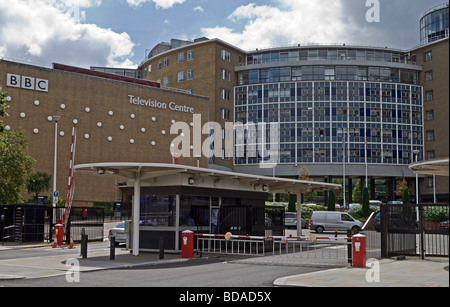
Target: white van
pixel 328 220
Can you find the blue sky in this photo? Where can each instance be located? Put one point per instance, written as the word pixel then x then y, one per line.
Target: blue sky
pixel 118 32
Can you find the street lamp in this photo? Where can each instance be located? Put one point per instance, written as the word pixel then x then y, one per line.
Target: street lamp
pixel 55 199
pixel 416 154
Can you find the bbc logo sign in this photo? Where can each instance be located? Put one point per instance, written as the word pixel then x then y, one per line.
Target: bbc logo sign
pixel 28 83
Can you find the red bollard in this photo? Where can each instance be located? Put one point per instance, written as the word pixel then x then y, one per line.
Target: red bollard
pixel 187 244
pixel 359 251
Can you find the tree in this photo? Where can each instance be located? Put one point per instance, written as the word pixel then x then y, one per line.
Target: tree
pixel 304 175
pixel 331 201
pixel 291 205
pixel 3 108
pixel 401 187
pixel 38 183
pixel 365 202
pixel 15 163
pixel 405 196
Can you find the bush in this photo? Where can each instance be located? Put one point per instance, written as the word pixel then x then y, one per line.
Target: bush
pixel 358 212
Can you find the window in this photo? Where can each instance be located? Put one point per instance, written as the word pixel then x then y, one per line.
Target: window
pixel 430 182
pixel 190 74
pixel 225 94
pixel 430 135
pixel 159 64
pixel 166 62
pixel 181 57
pixel 428 56
pixel 429 95
pixel 225 114
pixel 430 154
pixel 190 55
pixel 180 76
pixel 225 75
pixel 430 115
pixel 166 81
pixel 225 55
pixel 429 75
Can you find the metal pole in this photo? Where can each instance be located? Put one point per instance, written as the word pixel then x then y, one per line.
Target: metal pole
pixel 56 118
pixel 112 248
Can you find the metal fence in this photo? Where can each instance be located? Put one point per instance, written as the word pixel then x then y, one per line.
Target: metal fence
pixel 415 230
pixel 238 245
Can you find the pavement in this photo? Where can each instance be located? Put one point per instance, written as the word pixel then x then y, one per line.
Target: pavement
pixel 411 272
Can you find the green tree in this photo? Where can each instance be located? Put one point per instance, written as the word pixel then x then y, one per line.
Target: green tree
pixel 15 163
pixel 291 205
pixel 38 182
pixel 365 202
pixel 356 193
pixel 405 197
pixel 331 201
pixel 3 108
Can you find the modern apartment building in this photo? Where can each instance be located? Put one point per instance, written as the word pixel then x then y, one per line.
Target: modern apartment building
pixel 340 109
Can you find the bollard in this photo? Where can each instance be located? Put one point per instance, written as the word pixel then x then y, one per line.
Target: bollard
pixel 84 245
pixel 349 247
pixel 161 248
pixel 112 248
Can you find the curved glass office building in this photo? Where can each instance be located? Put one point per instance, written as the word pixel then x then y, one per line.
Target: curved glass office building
pixel 336 106
pixel 434 24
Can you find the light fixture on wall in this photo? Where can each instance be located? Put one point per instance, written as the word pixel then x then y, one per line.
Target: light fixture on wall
pixel 191 181
pixel 264 187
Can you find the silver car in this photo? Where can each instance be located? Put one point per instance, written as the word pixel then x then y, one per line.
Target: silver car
pixel 290 220
pixel 331 220
pixel 118 233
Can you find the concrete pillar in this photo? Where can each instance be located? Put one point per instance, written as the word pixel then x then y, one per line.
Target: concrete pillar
pixel 136 214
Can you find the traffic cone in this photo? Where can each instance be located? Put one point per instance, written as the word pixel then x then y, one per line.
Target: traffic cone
pixel 55 241
pixel 71 245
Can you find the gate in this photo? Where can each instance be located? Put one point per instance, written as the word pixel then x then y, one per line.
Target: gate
pixel 415 230
pixel 89 219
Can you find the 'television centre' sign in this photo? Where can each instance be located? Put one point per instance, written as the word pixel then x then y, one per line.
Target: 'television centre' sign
pixel 160 105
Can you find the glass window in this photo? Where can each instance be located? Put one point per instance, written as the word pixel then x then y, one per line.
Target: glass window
pixel 190 55
pixel 194 210
pixel 190 74
pixel 181 57
pixel 180 76
pixel 157 210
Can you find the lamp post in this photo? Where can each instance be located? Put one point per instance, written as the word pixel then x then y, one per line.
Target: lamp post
pixel 55 199
pixel 416 154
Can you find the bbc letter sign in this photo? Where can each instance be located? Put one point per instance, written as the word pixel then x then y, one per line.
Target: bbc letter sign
pixel 28 83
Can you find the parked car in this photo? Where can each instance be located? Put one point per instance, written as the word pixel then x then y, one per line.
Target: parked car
pixel 396 220
pixel 376 203
pixel 290 220
pixel 118 233
pixel 327 220
pixel 395 202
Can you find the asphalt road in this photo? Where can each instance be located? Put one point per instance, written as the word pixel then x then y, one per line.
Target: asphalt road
pixel 213 272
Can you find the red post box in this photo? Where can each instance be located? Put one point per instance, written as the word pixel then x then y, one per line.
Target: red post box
pixel 359 251
pixel 187 244
pixel 59 233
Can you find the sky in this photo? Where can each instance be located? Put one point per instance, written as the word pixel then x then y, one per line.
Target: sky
pixel 119 33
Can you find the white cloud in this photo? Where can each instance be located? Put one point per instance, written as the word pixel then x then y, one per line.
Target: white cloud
pixel 46 31
pixel 293 22
pixel 199 9
pixel 164 4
